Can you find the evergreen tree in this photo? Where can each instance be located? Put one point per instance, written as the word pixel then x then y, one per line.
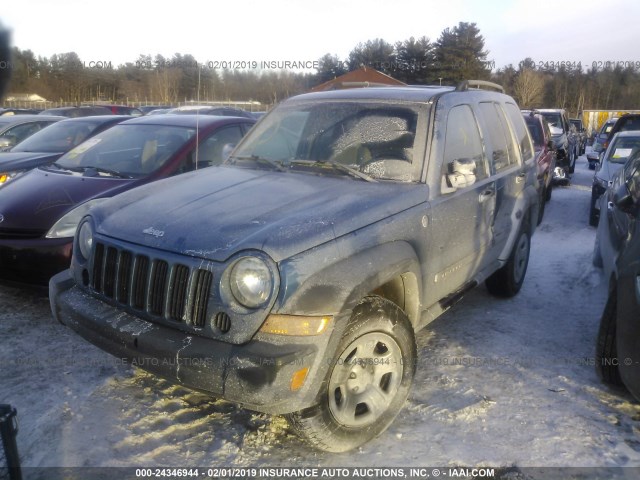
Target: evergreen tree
pixel 460 55
pixel 376 54
pixel 414 60
pixel 330 67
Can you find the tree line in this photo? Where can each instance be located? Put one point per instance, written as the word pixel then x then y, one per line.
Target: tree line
pixel 458 53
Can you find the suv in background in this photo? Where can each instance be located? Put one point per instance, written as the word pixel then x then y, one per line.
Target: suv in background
pixel 629 121
pixel 545 155
pixel 564 137
pixel 593 157
pixel 581 136
pixel 293 279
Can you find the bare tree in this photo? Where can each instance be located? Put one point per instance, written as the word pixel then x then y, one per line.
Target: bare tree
pixel 528 88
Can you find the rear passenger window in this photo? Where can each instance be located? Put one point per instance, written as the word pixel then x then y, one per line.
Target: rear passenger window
pixel 494 126
pixel 526 149
pixel 463 154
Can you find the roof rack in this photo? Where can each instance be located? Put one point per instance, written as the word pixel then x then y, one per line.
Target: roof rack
pixel 464 85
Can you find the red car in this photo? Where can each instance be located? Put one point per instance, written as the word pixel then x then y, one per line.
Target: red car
pixel 545 155
pixel 39 210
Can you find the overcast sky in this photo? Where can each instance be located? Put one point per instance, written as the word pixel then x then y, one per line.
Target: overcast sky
pixel 118 31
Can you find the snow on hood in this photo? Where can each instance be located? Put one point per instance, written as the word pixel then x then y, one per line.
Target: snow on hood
pixel 215 213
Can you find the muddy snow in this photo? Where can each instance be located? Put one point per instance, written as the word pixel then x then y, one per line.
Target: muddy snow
pixel 503 383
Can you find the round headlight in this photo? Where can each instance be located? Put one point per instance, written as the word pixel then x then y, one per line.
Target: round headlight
pixel 251 282
pixel 85 240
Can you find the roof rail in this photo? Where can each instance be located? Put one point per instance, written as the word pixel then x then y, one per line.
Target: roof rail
pixel 464 85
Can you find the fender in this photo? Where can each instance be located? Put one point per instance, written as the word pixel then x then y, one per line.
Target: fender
pixel 340 285
pixel 526 209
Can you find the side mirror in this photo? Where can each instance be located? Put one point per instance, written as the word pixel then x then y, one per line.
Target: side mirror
pixel 226 150
pixel 463 175
pixel 8 141
pixel 623 200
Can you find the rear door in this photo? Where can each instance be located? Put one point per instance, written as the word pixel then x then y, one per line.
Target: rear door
pixel 506 168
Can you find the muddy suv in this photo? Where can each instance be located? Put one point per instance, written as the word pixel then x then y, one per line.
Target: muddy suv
pixel 292 279
pixel 564 137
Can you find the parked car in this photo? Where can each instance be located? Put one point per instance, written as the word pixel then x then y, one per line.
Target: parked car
pixel 593 157
pixel 121 110
pixel 73 112
pixel 209 110
pixel 41 208
pixel 581 135
pixel 16 128
pixel 145 109
pixel 629 121
pixel 159 111
pixel 618 245
pixel 292 279
pixel 48 145
pixel 545 155
pixel 19 111
pixel 622 146
pixel 564 137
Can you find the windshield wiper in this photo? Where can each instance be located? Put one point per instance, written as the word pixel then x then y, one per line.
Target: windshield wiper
pixel 66 170
pixel 258 159
pixel 337 166
pixel 106 171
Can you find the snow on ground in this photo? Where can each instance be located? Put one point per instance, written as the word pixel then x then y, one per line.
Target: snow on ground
pixel 500 383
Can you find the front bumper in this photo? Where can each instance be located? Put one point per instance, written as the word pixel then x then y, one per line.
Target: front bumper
pixel 34 261
pixel 257 375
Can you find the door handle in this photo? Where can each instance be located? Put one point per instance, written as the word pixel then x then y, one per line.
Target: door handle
pixel 520 178
pixel 610 206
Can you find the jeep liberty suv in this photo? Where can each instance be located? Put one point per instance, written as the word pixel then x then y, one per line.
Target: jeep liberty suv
pixel 292 279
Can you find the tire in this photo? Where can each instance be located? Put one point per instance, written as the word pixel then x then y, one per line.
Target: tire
pixel 572 163
pixel 594 215
pixel 346 415
pixel 543 199
pixel 507 281
pixel 548 191
pixel 596 258
pixel 606 351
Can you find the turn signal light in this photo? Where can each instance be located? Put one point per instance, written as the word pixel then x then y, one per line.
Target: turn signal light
pixel 295 325
pixel 298 378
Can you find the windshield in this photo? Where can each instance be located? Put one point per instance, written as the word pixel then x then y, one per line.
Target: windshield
pixel 375 139
pixel 59 137
pixel 132 150
pixel 554 119
pixel 623 148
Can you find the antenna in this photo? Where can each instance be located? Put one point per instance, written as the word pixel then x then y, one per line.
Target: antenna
pixel 198 119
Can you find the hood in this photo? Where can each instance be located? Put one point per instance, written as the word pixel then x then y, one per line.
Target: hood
pixel 215 213
pixel 37 199
pixel 13 161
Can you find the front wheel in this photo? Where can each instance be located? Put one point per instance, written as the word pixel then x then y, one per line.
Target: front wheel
pixel 594 214
pixel 368 381
pixel 507 281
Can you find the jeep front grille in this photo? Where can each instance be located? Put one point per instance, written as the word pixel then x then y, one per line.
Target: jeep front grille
pixel 151 285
